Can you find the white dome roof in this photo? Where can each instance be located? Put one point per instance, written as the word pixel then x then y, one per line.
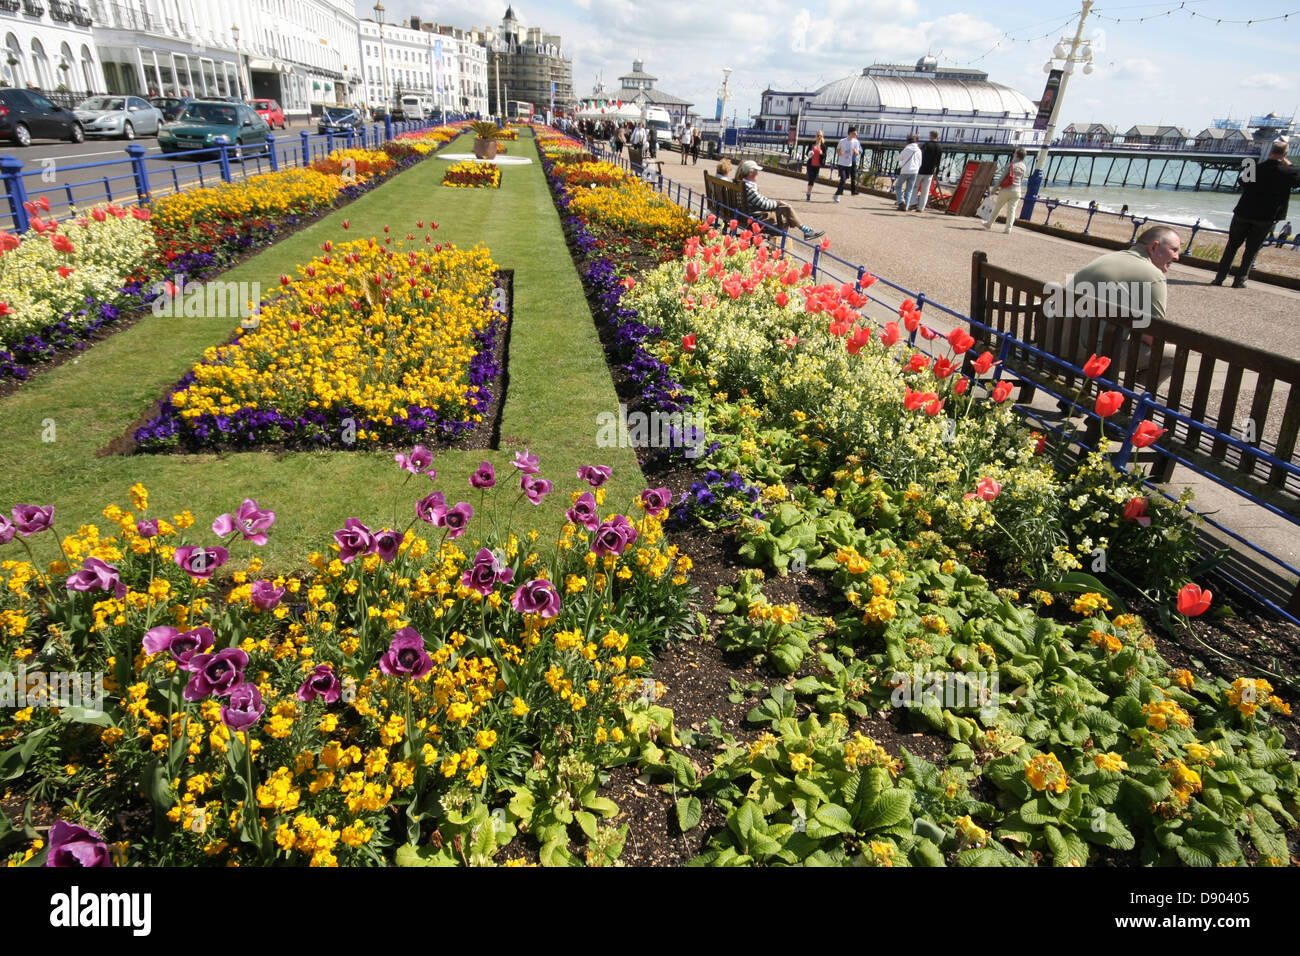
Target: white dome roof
pixel 865 92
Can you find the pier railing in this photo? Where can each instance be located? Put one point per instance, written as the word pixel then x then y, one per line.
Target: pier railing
pixel 1268 578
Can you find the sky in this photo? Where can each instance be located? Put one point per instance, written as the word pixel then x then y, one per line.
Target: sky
pixel 1169 68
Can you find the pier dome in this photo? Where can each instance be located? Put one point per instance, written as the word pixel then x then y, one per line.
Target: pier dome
pixel 921 90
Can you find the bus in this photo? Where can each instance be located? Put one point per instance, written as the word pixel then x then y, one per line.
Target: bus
pixel 519 111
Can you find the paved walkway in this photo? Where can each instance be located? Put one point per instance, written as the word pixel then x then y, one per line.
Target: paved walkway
pixel 930 252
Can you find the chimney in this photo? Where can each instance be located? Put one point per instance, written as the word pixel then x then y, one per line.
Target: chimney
pixel 415 23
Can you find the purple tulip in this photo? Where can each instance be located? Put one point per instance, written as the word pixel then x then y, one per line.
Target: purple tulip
pixel 251 521
pixel 595 475
pixel 386 544
pixel 457 519
pixel 147 528
pixel 614 536
pixel 526 463
pixel 485 572
pixel 7 530
pixel 96 575
pixel 354 540
pixel 656 500
pixel 215 674
pixel 485 477
pixel 583 511
pixel 537 597
pixel 406 655
pixel 535 487
pixel 244 708
pixel 265 595
pixel 200 562
pixel 184 646
pixel 431 508
pixel 32 519
pixel 417 462
pixel 74 845
pixel 322 683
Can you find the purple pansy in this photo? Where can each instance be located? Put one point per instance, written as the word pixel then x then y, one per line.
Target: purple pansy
pixel 387 543
pixel 184 646
pixel 417 462
pixel 485 572
pixel 613 536
pixel 75 845
pixel 656 500
pixel 535 487
pixel 7 530
pixel 243 708
pixel 583 511
pixel 595 475
pixel 200 562
pixel 537 597
pixel 265 595
pixel 406 655
pixel 250 521
pixel 322 683
pixel 215 674
pixel 32 519
pixel 485 477
pixel 97 575
pixel 431 508
pixel 147 527
pixel 527 463
pixel 354 540
pixel 456 519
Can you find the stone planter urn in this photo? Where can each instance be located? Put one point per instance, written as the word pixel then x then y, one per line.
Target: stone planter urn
pixel 485 148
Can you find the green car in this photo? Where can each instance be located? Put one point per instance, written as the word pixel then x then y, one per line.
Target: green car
pixel 204 124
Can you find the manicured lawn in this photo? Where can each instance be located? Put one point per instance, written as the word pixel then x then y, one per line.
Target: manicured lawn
pixel 558 384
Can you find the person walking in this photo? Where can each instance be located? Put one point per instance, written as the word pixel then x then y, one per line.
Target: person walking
pixel 685 141
pixel 815 158
pixel 652 138
pixel 846 157
pixel 1264 200
pixel 909 165
pixel 1009 191
pixel 695 145
pixel 755 201
pixel 930 155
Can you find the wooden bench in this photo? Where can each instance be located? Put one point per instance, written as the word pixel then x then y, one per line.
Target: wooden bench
pixel 636 156
pixel 1249 393
pixel 726 200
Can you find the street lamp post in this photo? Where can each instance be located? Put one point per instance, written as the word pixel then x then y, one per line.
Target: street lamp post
pixel 383 57
pixel 239 64
pixel 1071 57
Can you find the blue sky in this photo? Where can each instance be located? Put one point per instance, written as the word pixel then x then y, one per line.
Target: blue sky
pixel 1173 68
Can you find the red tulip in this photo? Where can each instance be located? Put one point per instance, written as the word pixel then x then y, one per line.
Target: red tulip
pixel 5 309
pixel 688 342
pixel 1193 601
pixel 98 214
pixel 917 362
pixel 943 368
pixel 914 400
pixel 866 280
pixel 987 489
pixel 928 333
pixel 347 223
pixel 857 339
pixel 1108 403
pixel 65 271
pixel 63 244
pixel 1095 366
pixel 960 341
pixel 1000 392
pixel 692 271
pixel 890 335
pixel 782 299
pixel 962 384
pixel 934 408
pixel 1147 434
pixel 1041 444
pixel 139 213
pixel 826 243
pixel 984 363
pixel 912 321
pixel 1136 510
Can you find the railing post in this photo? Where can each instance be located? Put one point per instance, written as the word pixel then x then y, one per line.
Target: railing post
pixel 1195 229
pixel 223 158
pixel 817 255
pixel 270 152
pixel 388 126
pixel 1125 452
pixel 1088 225
pixel 11 172
pixel 329 141
pixel 351 136
pixel 306 147
pixel 137 152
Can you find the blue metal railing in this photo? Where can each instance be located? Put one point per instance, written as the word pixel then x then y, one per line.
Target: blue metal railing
pixel 826 266
pixel 139 177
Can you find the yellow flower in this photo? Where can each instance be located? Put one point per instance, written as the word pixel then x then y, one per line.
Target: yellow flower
pixel 1161 714
pixel 1111 762
pixel 1090 603
pixel 800 762
pixel 1045 772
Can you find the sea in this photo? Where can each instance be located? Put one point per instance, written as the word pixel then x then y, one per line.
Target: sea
pixel 1213 209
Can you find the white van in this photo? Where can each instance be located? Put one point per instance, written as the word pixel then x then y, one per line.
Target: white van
pixel 414 108
pixel 660 121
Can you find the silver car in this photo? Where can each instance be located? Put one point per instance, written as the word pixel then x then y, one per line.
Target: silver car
pixel 124 116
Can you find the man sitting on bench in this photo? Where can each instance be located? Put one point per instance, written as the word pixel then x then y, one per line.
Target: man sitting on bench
pixel 756 202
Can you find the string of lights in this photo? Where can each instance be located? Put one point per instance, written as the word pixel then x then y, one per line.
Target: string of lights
pixel 1183 8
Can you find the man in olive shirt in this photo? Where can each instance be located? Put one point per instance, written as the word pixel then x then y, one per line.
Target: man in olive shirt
pixel 1264 199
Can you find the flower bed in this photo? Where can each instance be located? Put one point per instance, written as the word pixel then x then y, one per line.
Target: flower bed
pixel 472 175
pixel 842 467
pixel 369 344
pixel 410 699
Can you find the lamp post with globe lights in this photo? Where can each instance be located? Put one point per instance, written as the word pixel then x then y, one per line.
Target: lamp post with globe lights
pixel 383 61
pixel 1078 52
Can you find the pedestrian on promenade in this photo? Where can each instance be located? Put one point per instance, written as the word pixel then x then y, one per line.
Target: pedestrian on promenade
pixel 638 136
pixel 1009 191
pixel 846 157
pixel 1263 202
pixel 652 137
pixel 909 165
pixel 1124 211
pixel 755 202
pixel 685 141
pixel 815 158
pixel 930 154
pixel 695 145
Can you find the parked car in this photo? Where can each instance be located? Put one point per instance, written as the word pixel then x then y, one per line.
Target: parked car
pixel 270 111
pixel 205 124
pixel 124 116
pixel 171 106
pixel 338 119
pixel 26 115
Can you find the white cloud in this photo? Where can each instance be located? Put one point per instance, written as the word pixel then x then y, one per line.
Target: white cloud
pixel 1138 69
pixel 1265 81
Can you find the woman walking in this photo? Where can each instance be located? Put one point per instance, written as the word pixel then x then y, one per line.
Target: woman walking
pixel 815 163
pixel 1010 191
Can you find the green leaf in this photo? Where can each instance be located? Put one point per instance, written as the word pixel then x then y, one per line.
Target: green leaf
pixel 409 855
pixel 834 817
pixel 689 812
pixel 1079 582
pixel 588 823
pixel 889 809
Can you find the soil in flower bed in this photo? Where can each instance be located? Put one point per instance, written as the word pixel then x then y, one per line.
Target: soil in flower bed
pixel 486 435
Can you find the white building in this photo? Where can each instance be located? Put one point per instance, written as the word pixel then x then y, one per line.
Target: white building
pixel 446 66
pixel 49 46
pixel 781 109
